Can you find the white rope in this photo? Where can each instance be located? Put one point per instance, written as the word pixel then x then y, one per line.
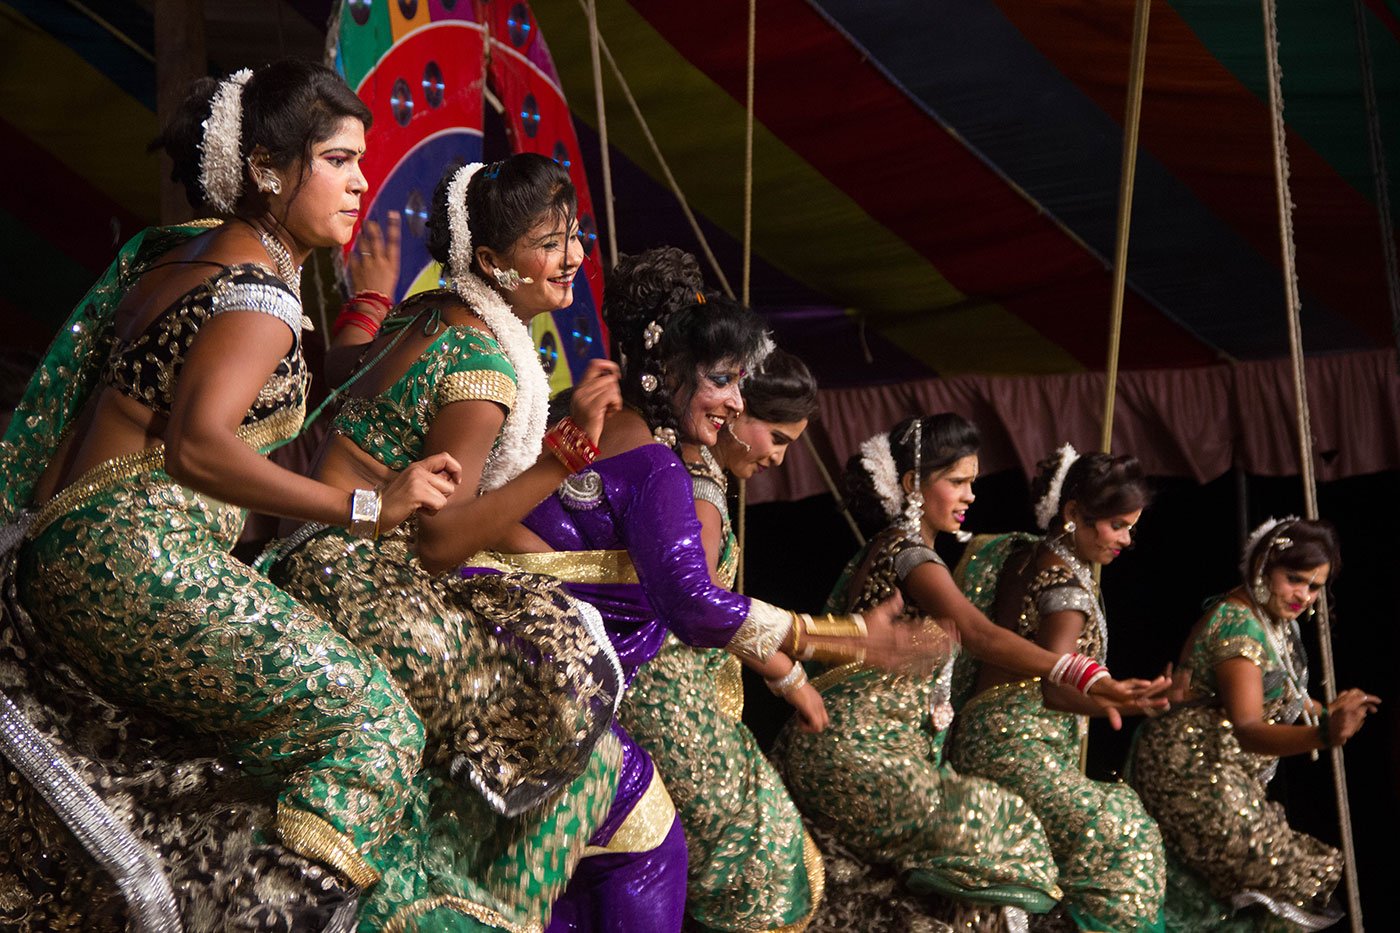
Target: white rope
pixel 1292 307
pixel 665 166
pixel 594 41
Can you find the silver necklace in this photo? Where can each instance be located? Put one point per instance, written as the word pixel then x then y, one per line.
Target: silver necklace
pixel 713 468
pixel 1085 578
pixel 287 270
pixel 1295 672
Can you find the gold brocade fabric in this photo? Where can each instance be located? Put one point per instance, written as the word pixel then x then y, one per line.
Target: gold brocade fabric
pixel 646 825
pixel 876 780
pixel 511 684
pixel 565 566
pixel 1109 851
pixel 1231 846
pixel 743 834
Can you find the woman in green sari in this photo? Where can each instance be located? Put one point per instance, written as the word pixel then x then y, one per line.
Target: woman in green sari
pixel 515 680
pixel 128 466
pixel 1233 862
pixel 876 782
pixel 1026 734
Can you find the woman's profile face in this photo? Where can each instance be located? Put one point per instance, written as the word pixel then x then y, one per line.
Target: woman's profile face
pixel 715 402
pixel 1293 592
pixel 319 204
pixel 948 493
pixel 549 254
pixel 1101 541
pixel 749 446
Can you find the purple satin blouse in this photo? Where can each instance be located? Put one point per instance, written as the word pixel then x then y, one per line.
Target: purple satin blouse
pixel 642 501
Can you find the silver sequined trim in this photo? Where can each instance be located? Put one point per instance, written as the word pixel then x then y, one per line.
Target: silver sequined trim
pixel 707 490
pixel 1305 919
pixel 593 621
pixel 581 491
pixel 267 299
pixel 1064 599
pixel 134 868
pixel 909 558
pixel 762 631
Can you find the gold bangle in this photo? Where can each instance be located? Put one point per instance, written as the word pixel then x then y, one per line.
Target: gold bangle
pixel 835 627
pixel 796 635
pixel 842 651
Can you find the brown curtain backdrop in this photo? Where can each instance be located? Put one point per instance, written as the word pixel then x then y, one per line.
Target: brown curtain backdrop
pixel 1196 423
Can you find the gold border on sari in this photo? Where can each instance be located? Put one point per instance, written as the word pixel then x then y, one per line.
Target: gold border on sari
pixel 568 566
pixel 646 827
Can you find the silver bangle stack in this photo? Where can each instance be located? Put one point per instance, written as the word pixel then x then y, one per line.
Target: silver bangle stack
pixel 794 679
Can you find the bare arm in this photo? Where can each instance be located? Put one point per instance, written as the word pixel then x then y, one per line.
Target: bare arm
pixel 1242 694
pixel 227 366
pixel 1059 633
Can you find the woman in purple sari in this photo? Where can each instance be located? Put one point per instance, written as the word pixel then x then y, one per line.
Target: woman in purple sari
pixel 624 536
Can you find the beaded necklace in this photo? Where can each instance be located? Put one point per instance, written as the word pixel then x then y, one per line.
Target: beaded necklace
pixel 1085 578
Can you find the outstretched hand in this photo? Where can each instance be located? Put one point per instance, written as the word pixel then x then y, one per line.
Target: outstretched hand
pixel 1135 696
pixel 901 644
pixel 1346 714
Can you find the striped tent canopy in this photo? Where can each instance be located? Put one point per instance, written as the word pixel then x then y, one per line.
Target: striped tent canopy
pixel 935 183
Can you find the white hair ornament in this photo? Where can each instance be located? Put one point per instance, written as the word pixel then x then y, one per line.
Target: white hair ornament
pixel 522 435
pixel 1049 504
pixel 220 165
pixel 878 460
pixel 1257 537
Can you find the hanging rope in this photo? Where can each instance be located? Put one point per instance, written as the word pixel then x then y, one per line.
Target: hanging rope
pixel 594 40
pixel 748 155
pixel 665 166
pixel 1292 305
pixel 748 245
pixel 841 505
pixel 1136 70
pixel 1378 169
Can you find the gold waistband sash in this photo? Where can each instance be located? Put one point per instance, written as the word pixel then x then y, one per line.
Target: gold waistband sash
pixel 646 827
pixel 97 480
pixel 568 566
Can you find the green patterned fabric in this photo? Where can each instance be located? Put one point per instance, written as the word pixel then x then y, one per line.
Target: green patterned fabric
pixel 514 688
pixel 752 867
pixel 876 778
pixel 1107 848
pixel 747 847
pixel 1234 862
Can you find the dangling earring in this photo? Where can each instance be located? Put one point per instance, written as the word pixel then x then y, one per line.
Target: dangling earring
pixel 509 279
pixel 1260 590
pixel 913 521
pixel 269 183
pixel 729 426
pixel 1070 526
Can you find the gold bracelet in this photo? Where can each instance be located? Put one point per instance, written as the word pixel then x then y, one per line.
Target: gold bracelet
pixel 796 633
pixel 837 651
pixel 835 627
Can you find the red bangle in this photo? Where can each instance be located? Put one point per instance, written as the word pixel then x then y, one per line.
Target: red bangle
pixel 370 297
pixel 347 318
pixel 1090 671
pixel 575 449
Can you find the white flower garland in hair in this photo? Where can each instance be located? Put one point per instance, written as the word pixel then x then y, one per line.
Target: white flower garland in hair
pixel 1049 504
pixel 220 168
pixel 1256 537
pixel 878 460
pixel 522 435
